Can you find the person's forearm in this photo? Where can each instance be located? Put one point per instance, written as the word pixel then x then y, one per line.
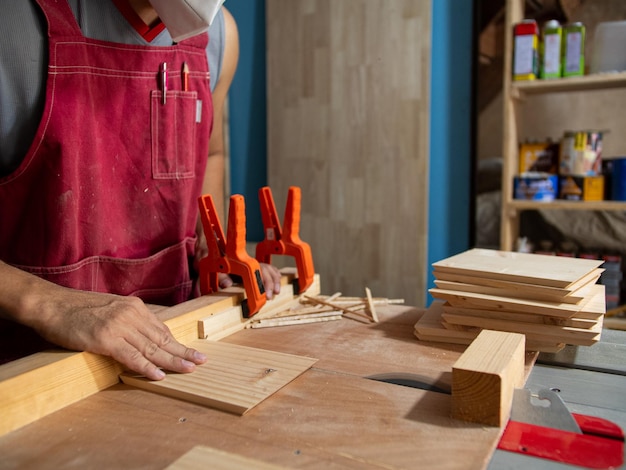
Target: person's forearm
pixel 19 294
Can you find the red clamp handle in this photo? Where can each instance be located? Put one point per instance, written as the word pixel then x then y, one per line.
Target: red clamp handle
pixel 228 255
pixel 287 241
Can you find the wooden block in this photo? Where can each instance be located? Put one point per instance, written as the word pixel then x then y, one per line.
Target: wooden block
pixel 203 457
pixel 234 379
pixel 484 377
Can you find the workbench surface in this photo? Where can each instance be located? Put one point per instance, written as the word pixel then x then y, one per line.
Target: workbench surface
pixel 332 416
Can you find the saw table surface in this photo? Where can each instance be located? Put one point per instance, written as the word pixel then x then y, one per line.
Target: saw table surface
pixel 332 416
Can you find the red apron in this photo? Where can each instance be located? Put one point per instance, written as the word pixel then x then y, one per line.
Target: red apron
pixel 105 199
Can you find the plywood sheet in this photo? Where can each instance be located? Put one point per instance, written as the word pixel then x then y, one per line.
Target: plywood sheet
pixel 348 121
pixel 530 268
pixel 235 378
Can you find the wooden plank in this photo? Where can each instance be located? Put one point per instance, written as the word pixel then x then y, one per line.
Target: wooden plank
pixel 235 379
pixel 513 292
pixel 533 291
pixel 522 317
pixel 484 377
pixel 530 268
pixel 203 457
pixel 431 328
pixel 554 333
pixel 590 308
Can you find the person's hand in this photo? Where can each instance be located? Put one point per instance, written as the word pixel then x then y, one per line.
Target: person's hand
pixel 271 280
pixel 116 326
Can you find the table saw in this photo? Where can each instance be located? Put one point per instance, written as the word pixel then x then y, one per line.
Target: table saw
pixel 337 414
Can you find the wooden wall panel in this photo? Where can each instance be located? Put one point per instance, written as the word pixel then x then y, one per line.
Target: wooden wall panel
pixel 348 122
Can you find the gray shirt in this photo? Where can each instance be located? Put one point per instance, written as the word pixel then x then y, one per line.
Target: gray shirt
pixel 23 63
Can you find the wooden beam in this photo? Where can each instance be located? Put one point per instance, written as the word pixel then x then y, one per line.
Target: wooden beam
pixel 484 377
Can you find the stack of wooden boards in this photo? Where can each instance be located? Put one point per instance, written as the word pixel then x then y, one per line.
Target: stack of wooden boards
pixel 552 300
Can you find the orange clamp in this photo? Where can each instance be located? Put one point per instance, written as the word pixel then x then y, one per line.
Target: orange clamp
pixel 228 255
pixel 285 242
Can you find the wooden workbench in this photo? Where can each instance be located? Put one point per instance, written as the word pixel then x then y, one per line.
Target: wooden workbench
pixel 329 417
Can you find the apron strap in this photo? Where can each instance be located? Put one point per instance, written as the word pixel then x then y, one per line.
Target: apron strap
pixel 61 21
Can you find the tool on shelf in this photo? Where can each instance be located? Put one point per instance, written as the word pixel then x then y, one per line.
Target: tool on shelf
pixel 552 432
pixel 285 241
pixel 228 255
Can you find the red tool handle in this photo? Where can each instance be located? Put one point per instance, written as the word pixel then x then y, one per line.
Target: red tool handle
pixel 229 255
pixel 293 244
pixel 272 244
pixel 285 241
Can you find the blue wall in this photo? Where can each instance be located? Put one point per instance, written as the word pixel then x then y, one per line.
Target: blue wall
pixel 248 109
pixel 450 133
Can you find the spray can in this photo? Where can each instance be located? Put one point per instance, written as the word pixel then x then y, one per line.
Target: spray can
pixel 551 53
pixel 574 50
pixel 526 50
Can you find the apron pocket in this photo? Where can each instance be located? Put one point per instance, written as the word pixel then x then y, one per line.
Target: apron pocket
pixel 162 278
pixel 173 129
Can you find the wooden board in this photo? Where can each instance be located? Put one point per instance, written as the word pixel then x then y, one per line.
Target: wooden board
pixel 203 457
pixel 235 378
pixel 590 308
pixel 363 174
pixel 531 290
pixel 431 328
pixel 530 268
pixel 583 323
pixel 549 333
pixel 514 292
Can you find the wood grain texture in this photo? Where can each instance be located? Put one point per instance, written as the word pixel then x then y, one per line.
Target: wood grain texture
pixel 530 268
pixel 234 379
pixel 203 457
pixel 348 122
pixel 484 377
